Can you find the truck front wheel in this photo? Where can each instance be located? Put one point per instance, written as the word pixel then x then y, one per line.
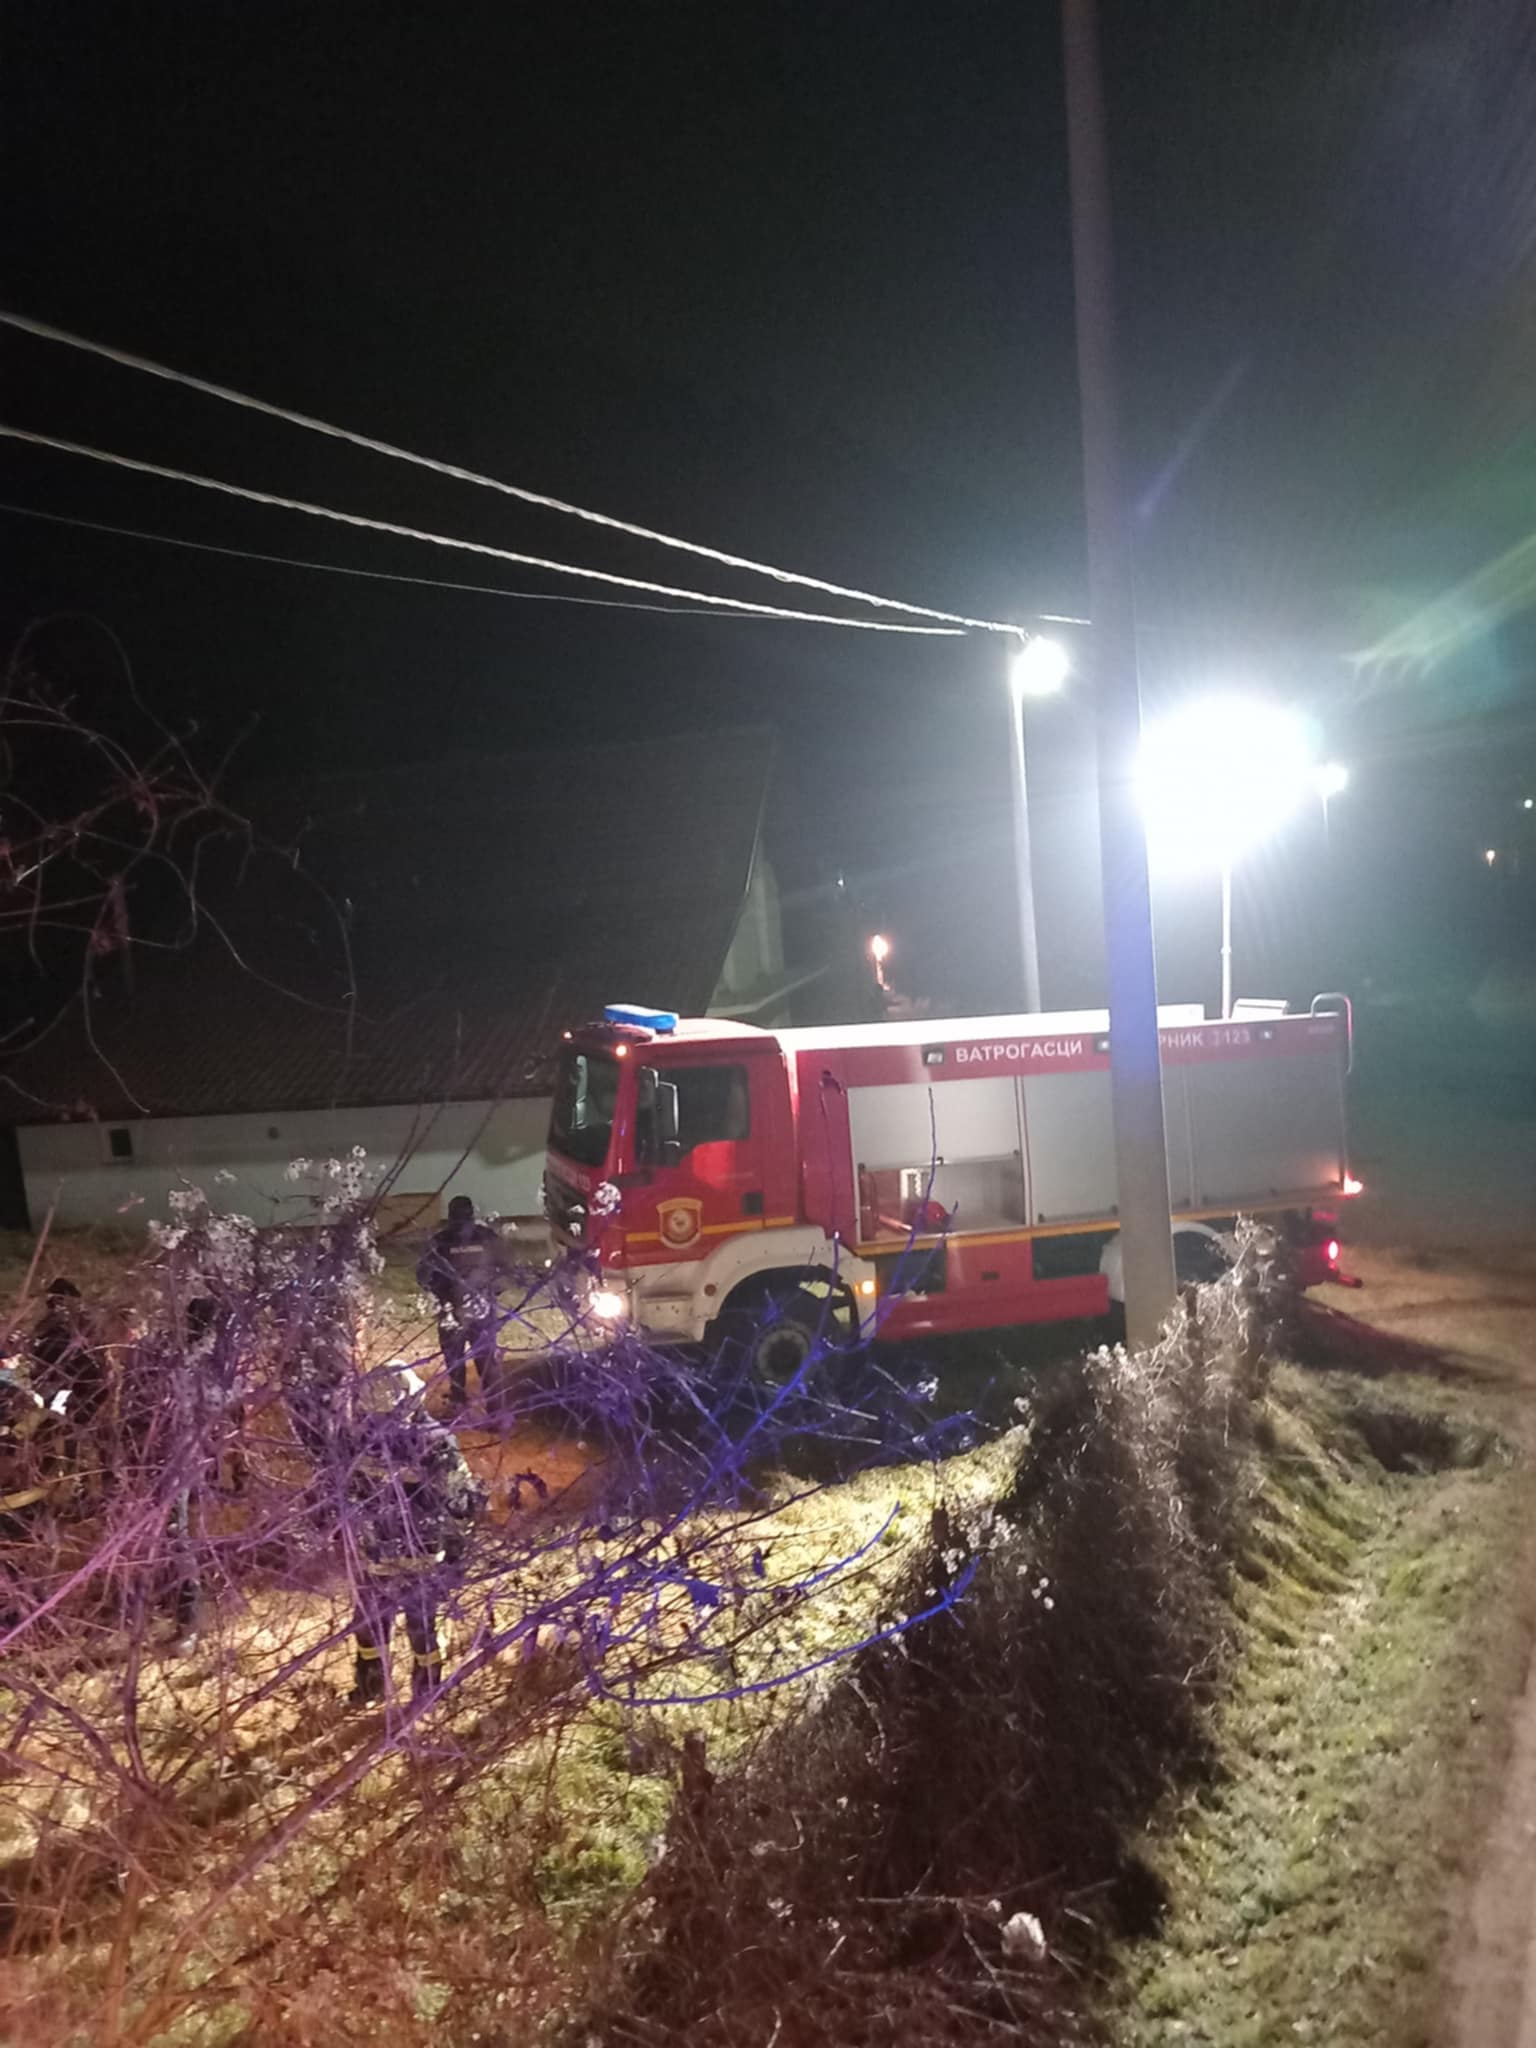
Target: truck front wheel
pixel 773 1337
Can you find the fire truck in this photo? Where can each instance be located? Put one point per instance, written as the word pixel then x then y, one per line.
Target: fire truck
pixel 924 1178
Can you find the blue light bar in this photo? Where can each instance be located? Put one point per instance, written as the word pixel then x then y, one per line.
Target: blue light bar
pixel 660 1021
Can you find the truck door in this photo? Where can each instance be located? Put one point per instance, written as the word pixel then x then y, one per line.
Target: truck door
pixel 731 1168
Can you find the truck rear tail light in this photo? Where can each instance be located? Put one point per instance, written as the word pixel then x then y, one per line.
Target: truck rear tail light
pixel 1331 1251
pixel 1352 1186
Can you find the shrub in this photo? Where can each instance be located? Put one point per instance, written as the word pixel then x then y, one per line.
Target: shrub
pixel 198 1842
pixel 934 1852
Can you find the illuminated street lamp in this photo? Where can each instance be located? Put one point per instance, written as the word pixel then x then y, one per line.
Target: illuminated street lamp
pixel 1219 776
pixel 1490 855
pixel 879 953
pixel 1038 669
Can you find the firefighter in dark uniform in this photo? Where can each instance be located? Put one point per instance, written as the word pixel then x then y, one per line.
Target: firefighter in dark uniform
pixel 60 1339
pixel 463 1269
pixel 177 1410
pixel 411 1505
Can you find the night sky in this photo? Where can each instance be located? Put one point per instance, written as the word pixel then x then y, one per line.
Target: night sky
pixel 795 280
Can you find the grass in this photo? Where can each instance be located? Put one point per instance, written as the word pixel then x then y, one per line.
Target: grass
pixel 1301 1879
pixel 1384 1620
pixel 1381 1622
pixel 514 1884
pixel 601 1792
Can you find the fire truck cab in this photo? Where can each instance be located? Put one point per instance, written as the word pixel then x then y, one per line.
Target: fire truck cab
pixel 917 1178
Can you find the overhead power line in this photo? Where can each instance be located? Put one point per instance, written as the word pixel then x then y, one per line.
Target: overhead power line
pixel 127 360
pixel 443 540
pixel 608 604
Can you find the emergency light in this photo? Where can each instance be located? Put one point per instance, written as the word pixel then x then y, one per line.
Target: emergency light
pixel 663 1022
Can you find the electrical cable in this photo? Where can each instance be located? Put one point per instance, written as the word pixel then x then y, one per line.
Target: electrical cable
pixel 206 547
pixel 43 331
pixel 443 540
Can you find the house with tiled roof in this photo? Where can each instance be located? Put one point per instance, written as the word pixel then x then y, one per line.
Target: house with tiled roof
pixel 404 987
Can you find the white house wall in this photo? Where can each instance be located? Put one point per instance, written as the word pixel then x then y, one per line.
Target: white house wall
pixel 494 1154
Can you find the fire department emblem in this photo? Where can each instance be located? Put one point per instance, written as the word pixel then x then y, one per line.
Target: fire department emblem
pixel 679 1220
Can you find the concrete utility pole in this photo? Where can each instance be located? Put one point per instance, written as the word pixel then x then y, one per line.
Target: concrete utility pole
pixel 1135 1067
pixel 1029 949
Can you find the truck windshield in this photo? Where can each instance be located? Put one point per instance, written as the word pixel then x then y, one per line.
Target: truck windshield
pixel 586 1091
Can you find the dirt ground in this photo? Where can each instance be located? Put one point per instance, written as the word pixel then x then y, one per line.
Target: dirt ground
pixel 1480 1318
pixel 1484 1317
pixel 1446 1243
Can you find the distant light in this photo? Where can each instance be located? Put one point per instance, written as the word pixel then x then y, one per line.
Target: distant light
pixel 1220 774
pixel 879 949
pixel 1040 667
pixel 1353 1186
pixel 1490 854
pixel 841 883
pixel 1333 1251
pixel 1332 779
pixel 1529 804
pixel 608 1305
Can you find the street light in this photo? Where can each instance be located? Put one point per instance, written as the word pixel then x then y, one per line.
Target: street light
pixel 879 953
pixel 1220 775
pixel 1038 669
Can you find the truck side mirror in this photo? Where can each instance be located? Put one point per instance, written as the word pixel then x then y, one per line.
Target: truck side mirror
pixel 656 1136
pixel 669 1147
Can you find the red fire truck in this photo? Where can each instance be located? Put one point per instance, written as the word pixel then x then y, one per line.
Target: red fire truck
pixel 919 1178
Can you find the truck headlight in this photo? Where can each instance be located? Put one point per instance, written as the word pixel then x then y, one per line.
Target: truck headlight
pixel 608 1305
